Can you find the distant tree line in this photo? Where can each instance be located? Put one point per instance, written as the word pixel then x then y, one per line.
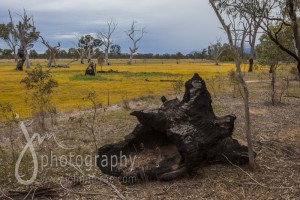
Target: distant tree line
pixel 72 54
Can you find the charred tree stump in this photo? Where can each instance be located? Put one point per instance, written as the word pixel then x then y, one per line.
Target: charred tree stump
pixel 91 69
pixel 174 140
pixel 21 60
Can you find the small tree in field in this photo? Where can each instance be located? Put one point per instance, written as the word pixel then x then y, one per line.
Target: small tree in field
pixel 177 87
pixel 216 51
pixel 92 97
pixel 270 54
pixel 40 84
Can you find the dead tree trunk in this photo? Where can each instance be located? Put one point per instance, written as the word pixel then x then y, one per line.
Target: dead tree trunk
pixel 131 34
pixel 52 50
pixel 106 37
pixel 273 71
pixel 27 61
pixel 80 52
pixel 175 140
pixel 106 57
pixel 130 58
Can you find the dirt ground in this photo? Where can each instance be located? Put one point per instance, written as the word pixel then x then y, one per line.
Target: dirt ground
pixel 276 138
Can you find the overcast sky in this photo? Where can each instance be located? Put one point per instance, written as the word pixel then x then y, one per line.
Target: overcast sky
pixel 172 25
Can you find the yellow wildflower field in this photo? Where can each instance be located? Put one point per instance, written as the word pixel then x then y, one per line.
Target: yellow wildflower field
pixel 139 79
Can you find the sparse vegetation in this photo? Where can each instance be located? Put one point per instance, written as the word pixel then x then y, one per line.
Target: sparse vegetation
pixel 92 97
pixel 40 85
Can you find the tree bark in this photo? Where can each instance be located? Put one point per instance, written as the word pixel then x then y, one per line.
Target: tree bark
pixel 251 64
pixel 247 113
pixel 106 57
pixel 130 58
pixel 49 62
pixel 252 41
pixel 15 56
pixel 27 61
pixel 292 9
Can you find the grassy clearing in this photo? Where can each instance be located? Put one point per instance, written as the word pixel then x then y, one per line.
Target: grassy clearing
pixel 130 83
pixel 80 77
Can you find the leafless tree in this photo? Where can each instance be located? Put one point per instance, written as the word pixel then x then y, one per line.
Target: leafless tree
pixel 106 37
pixel 237 31
pixel 52 51
pixel 131 33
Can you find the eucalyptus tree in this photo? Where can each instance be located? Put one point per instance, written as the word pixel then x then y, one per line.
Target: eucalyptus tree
pixel 115 49
pixel 27 34
pixel 203 54
pixel 106 37
pixel 9 35
pixel 236 30
pixel 277 16
pixel 131 33
pixel 269 54
pixel 86 45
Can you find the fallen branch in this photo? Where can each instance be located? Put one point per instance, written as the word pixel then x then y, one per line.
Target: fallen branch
pixel 4 195
pixel 292 96
pixel 258 183
pixel 120 195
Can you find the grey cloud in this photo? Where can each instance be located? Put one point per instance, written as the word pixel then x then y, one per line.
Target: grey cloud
pixel 172 25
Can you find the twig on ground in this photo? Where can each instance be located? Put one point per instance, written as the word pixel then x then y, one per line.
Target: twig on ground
pixel 120 195
pixel 86 193
pixel 258 183
pixel 4 195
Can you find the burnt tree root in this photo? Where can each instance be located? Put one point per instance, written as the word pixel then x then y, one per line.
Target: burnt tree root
pixel 174 140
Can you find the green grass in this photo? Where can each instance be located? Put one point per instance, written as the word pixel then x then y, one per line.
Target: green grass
pixel 146 74
pixel 80 77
